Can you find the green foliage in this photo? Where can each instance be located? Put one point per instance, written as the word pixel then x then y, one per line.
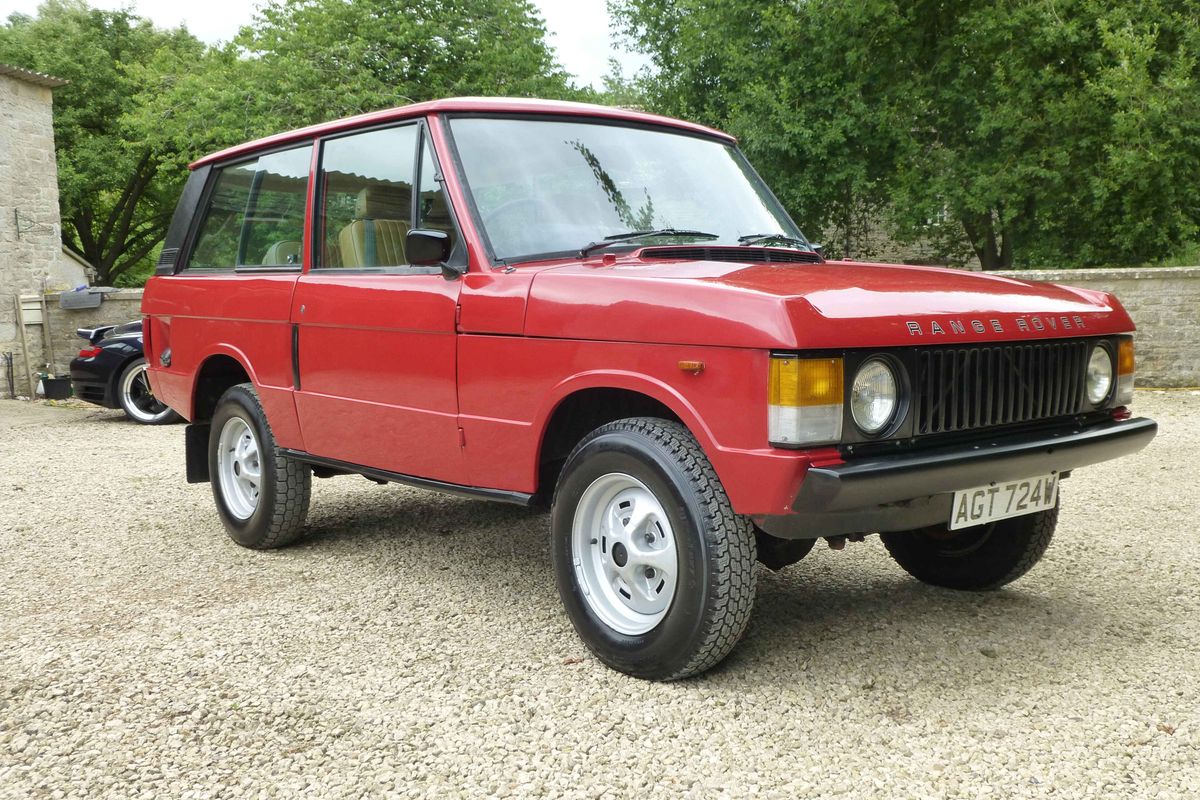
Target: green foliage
pixel 144 102
pixel 307 61
pixel 115 203
pixel 1043 131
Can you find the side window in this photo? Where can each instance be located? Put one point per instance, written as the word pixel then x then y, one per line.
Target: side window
pixel 366 182
pixel 255 214
pixel 433 212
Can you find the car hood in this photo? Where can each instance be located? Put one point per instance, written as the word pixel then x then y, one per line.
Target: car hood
pixel 836 304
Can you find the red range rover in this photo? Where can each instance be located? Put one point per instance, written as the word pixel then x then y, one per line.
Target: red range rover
pixel 609 313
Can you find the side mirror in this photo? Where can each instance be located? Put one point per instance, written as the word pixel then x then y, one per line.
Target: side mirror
pixel 426 248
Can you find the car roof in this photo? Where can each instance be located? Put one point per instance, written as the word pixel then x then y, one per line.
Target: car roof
pixel 477 105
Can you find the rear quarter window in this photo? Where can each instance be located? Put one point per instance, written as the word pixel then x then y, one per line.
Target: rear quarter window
pixel 254 215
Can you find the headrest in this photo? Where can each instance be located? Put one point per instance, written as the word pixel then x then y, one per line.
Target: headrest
pixel 383 202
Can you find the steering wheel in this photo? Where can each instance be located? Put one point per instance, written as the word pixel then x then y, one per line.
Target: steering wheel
pixel 508 207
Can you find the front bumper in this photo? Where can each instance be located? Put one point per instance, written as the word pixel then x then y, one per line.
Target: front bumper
pixel 902 492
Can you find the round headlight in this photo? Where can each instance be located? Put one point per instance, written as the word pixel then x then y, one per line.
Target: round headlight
pixel 1099 375
pixel 874 396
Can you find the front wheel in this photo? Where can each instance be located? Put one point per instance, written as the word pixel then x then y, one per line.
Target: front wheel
pixel 262 496
pixel 137 398
pixel 978 558
pixel 654 568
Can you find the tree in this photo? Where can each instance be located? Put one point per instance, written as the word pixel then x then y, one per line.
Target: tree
pixel 115 203
pixel 144 102
pixel 1046 132
pixel 305 61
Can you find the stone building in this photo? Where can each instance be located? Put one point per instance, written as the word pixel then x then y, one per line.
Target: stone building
pixel 31 253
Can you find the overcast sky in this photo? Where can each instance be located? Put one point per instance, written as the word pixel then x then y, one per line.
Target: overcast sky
pixel 579 29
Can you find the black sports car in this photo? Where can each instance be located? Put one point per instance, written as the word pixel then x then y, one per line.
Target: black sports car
pixel 111 372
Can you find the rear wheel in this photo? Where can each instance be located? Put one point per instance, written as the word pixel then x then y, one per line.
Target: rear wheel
pixel 262 497
pixel 137 398
pixel 979 558
pixel 654 568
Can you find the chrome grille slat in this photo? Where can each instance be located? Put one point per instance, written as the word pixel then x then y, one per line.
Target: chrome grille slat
pixel 964 388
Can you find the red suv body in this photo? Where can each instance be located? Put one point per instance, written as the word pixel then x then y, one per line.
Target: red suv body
pixel 468 294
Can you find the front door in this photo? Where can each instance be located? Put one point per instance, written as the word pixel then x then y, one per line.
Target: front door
pixel 376 345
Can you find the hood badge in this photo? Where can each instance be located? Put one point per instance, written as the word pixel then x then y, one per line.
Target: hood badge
pixel 1023 325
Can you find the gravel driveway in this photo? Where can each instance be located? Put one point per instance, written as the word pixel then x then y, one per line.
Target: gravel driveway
pixel 413 645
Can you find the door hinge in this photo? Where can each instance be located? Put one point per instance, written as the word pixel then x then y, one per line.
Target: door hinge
pixel 462 438
pixel 457 317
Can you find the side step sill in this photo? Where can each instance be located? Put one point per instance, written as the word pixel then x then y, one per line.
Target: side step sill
pixel 474 492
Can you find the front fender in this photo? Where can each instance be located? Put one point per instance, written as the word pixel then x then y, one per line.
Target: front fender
pixel 647 385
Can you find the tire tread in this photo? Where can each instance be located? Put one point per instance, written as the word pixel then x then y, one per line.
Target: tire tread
pixel 293 486
pixel 729 536
pixel 1030 546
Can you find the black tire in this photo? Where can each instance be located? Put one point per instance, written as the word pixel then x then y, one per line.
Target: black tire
pixel 285 485
pixel 975 559
pixel 132 390
pixel 714 590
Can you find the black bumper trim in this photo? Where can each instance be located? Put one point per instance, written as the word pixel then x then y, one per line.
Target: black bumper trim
pixel 888 479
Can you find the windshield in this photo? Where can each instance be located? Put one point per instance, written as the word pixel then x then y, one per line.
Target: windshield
pixel 547 187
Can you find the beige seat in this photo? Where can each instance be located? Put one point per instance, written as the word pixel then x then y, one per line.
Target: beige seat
pixel 282 254
pixel 376 237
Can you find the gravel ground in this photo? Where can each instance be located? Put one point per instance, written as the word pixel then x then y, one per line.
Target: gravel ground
pixel 413 645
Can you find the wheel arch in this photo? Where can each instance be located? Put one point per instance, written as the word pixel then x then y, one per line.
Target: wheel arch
pixel 217 372
pixel 584 402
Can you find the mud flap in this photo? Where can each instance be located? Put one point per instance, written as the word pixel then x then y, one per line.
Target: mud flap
pixel 196 452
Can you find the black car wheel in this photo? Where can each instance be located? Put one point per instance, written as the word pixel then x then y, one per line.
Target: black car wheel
pixel 655 569
pixel 974 559
pixel 262 496
pixel 137 398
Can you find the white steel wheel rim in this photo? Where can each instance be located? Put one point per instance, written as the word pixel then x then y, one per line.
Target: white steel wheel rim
pixel 624 554
pixel 239 467
pixel 140 401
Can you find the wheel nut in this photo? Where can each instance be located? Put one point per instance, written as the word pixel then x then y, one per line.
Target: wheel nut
pixel 649 572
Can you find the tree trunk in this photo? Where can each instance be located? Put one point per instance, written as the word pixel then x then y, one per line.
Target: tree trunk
pixel 114 242
pixel 993 252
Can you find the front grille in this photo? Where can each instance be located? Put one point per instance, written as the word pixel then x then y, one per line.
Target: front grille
pixel 960 388
pixel 737 254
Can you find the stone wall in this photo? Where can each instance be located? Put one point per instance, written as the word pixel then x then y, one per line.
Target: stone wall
pixel 1164 303
pixel 1165 306
pixel 31 258
pixel 120 306
pixel 864 236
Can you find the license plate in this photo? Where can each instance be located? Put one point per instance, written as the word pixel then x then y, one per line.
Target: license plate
pixel 996 501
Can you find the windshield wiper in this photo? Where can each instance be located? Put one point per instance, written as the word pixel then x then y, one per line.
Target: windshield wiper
pixel 621 237
pixel 759 238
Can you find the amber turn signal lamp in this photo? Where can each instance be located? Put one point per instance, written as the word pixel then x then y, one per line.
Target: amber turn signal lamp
pixel 694 367
pixel 1125 359
pixel 805 401
pixel 805 381
pixel 1126 366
